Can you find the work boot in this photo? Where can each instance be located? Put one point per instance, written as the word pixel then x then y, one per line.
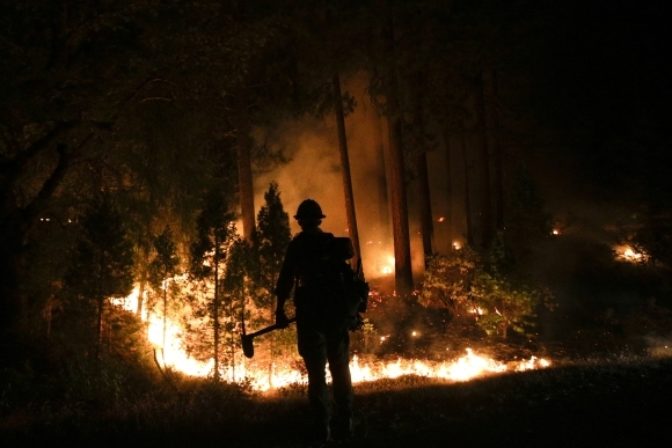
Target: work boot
pixel 320 435
pixel 342 429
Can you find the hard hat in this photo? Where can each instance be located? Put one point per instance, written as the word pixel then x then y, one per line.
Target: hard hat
pixel 309 209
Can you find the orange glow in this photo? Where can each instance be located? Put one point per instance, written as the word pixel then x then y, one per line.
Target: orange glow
pixel 555 232
pixel 173 355
pixel 627 253
pixel 441 219
pixel 457 245
pixel 386 265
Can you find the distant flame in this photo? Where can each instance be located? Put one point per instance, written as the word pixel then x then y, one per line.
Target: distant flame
pixel 627 253
pixel 441 219
pixel 457 245
pixel 387 266
pixel 555 232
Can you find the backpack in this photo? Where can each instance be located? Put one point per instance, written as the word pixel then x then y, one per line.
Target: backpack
pixel 325 272
pixel 355 288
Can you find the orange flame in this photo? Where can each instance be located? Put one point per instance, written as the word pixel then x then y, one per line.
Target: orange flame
pixel 627 253
pixel 174 356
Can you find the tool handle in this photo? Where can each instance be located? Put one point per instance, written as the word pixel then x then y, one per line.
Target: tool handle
pixel 268 329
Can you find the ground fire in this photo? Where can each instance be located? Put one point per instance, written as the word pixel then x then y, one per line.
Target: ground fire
pixel 456 368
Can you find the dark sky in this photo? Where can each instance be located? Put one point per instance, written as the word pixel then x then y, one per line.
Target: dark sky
pixel 600 95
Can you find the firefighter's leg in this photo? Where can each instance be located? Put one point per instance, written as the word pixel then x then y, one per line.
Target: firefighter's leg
pixel 312 347
pixel 339 359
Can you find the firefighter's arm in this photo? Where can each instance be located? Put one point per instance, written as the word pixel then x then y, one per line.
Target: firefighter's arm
pixel 284 286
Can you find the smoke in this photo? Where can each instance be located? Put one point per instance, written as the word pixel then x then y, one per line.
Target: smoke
pixel 313 171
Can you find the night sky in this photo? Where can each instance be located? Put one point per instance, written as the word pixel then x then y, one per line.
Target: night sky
pixel 601 90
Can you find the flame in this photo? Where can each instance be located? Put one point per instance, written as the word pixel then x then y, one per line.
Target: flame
pixel 555 232
pixel 457 244
pixel 627 253
pixel 174 355
pixel 386 267
pixel 465 368
pixel 441 219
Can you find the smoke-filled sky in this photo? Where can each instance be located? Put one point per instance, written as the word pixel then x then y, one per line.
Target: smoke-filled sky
pixel 314 171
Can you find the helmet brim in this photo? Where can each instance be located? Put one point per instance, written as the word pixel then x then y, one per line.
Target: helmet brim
pixel 309 217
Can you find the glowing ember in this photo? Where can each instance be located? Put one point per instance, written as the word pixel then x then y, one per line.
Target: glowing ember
pixel 457 245
pixel 477 310
pixel 627 253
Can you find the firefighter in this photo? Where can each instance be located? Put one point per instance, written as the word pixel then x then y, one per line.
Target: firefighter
pixel 322 329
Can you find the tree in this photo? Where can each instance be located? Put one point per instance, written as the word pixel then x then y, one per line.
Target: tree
pixel 162 268
pixel 345 168
pixel 395 162
pixel 102 266
pixel 215 235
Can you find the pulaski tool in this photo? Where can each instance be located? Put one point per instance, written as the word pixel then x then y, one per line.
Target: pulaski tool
pixel 247 340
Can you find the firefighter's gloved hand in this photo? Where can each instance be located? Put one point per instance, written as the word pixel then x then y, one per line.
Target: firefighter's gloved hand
pixel 281 320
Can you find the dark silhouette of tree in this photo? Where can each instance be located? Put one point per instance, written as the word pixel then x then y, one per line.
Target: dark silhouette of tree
pixel 395 159
pixel 162 268
pixel 102 266
pixel 272 238
pixel 215 235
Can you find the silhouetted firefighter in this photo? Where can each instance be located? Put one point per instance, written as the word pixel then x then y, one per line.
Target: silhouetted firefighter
pixel 328 297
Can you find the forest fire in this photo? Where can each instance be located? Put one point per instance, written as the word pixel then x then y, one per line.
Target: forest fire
pixel 363 368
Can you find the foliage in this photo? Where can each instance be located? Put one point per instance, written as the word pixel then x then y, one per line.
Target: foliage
pixel 215 238
pixel 448 279
pixel 102 265
pixel 487 288
pixel 270 241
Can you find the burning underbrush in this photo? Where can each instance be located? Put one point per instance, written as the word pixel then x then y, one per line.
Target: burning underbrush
pixel 383 350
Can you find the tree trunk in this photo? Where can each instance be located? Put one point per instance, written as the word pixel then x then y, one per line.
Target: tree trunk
pixel 469 229
pixel 491 127
pixel 142 283
pixel 345 167
pixel 165 316
pixel 427 225
pixel 245 182
pixel 384 187
pixel 141 293
pixel 449 185
pixel 232 344
pixel 424 192
pixel 402 248
pixel 486 194
pixel 99 330
pixel 215 314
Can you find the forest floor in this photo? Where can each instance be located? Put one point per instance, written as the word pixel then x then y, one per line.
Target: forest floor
pixel 597 403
